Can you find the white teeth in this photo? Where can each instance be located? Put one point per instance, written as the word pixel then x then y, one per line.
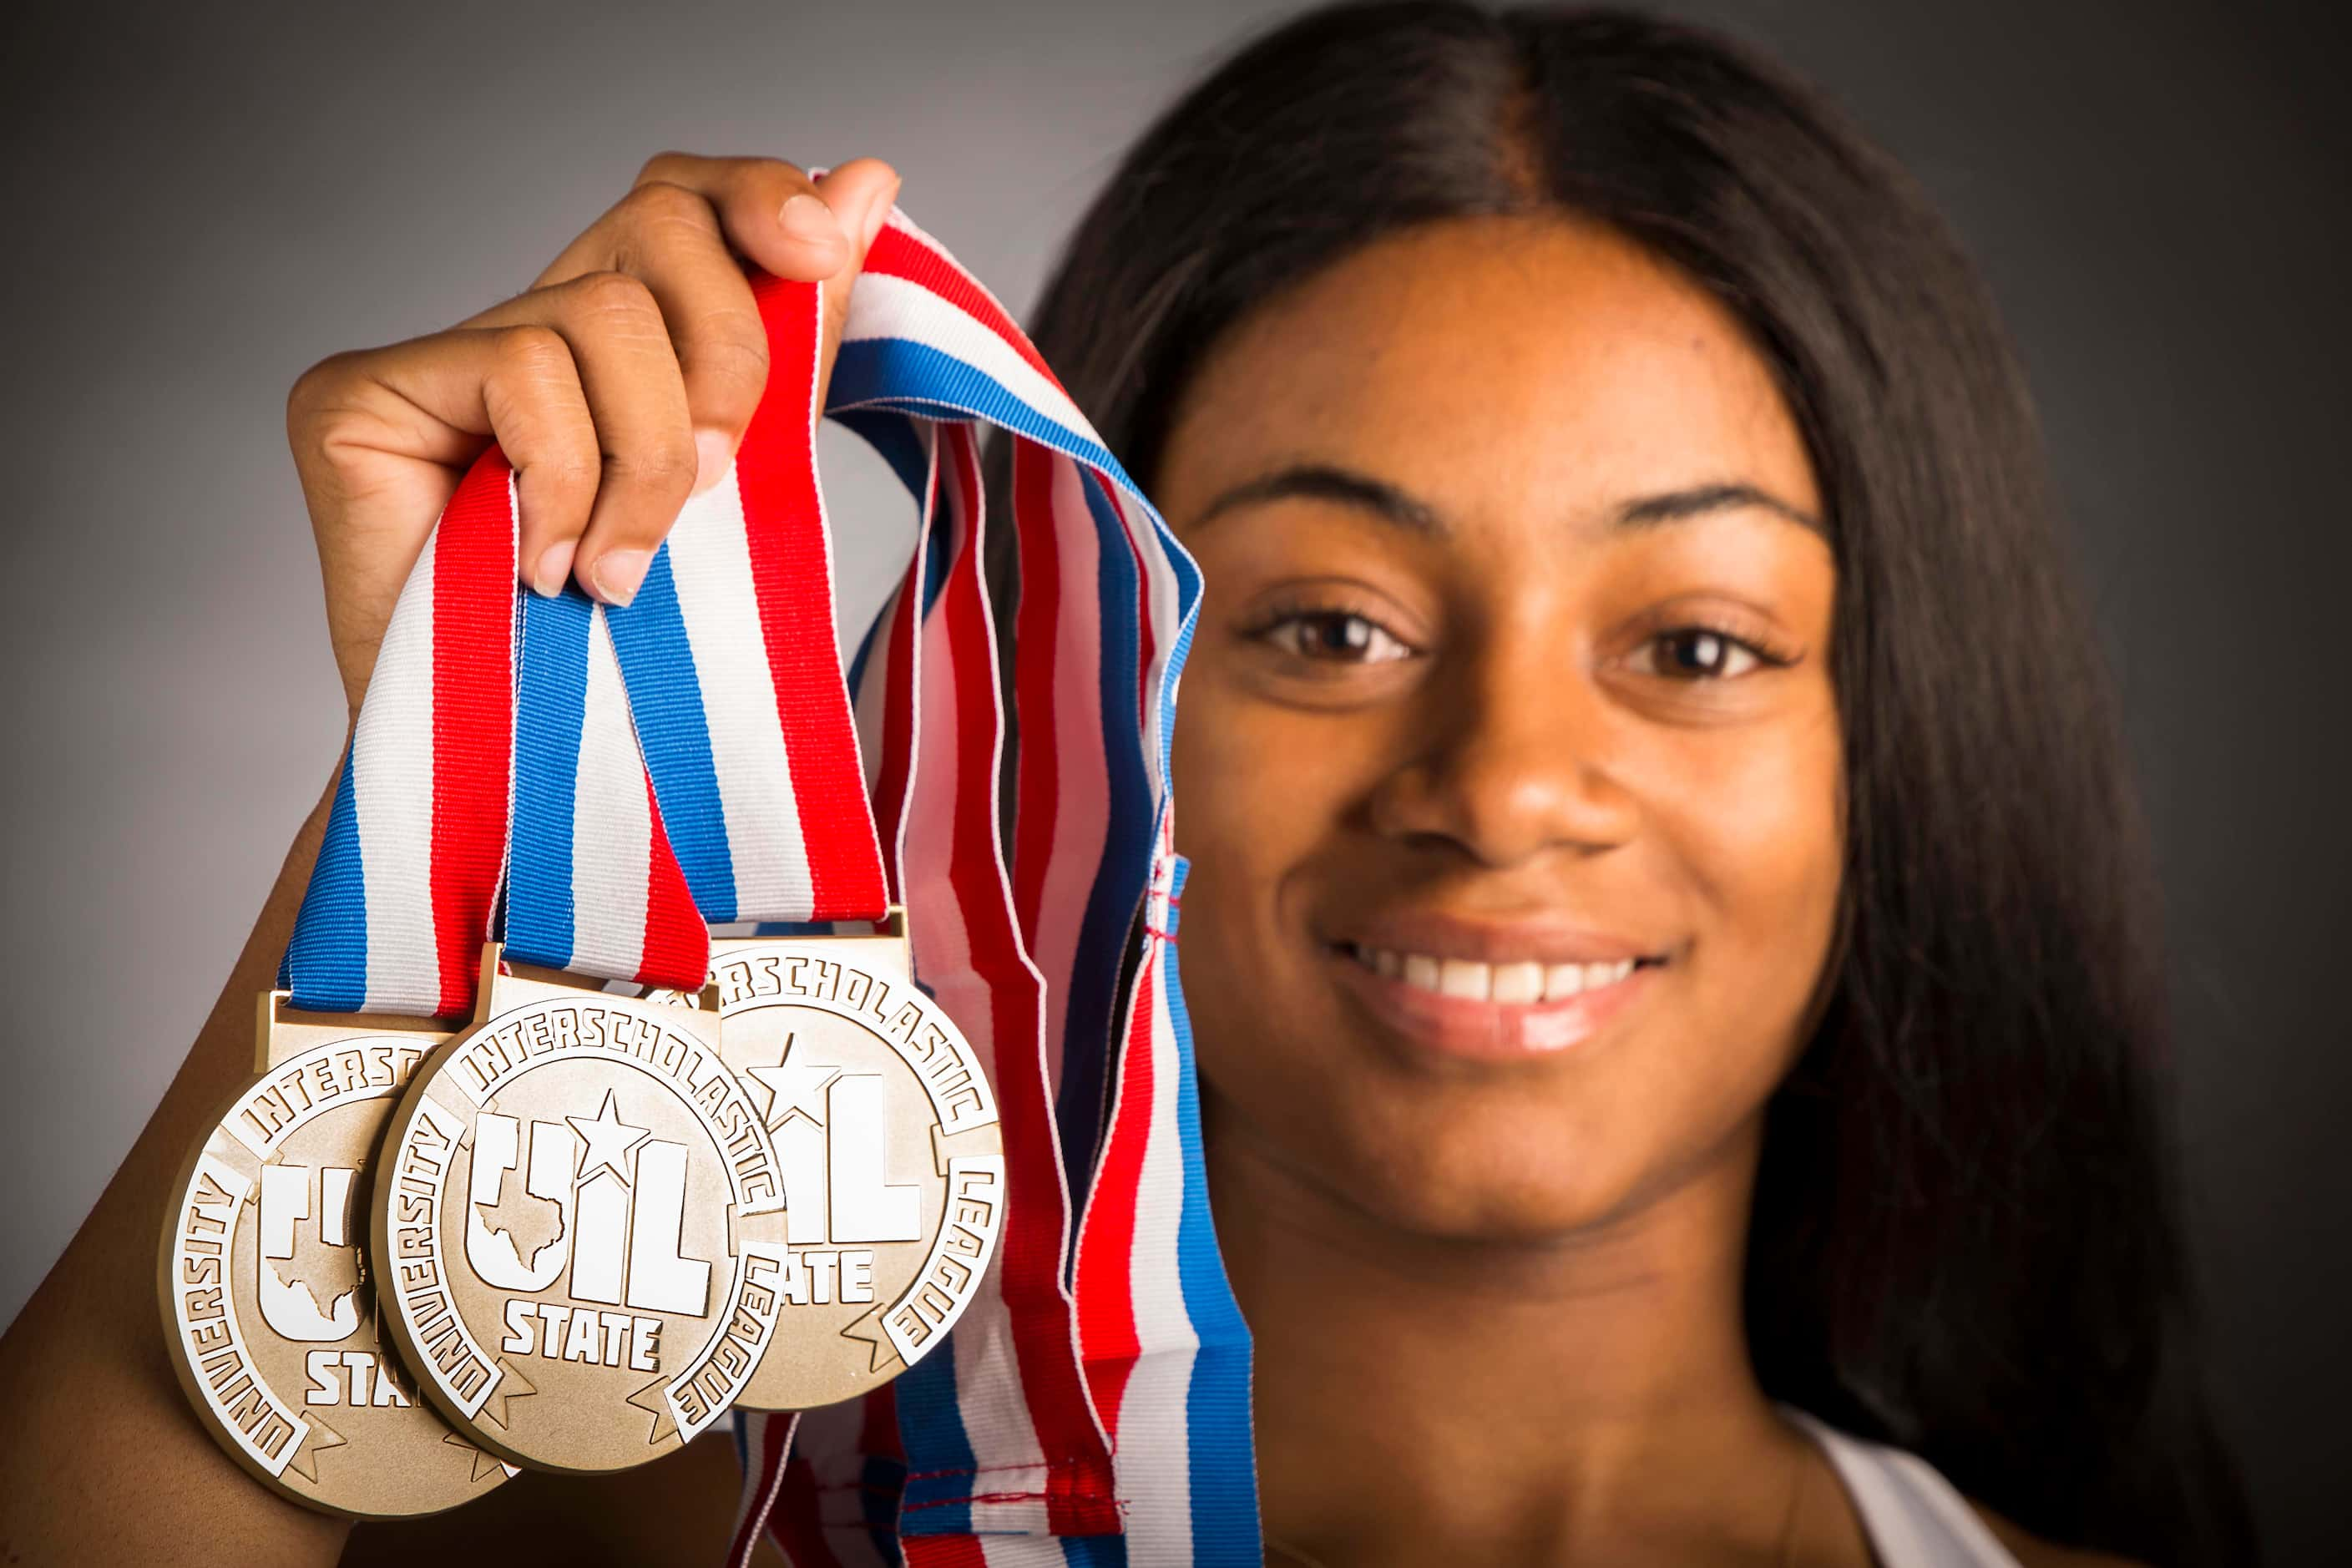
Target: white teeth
pixel 1510 984
pixel 1464 977
pixel 1519 982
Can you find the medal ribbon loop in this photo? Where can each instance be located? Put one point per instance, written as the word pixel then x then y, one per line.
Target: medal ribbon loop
pixel 400 900
pixel 733 673
pixel 1129 1340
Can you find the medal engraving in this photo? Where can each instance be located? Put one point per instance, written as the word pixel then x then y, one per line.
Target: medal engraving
pixel 580 1224
pixel 893 1168
pixel 268 1308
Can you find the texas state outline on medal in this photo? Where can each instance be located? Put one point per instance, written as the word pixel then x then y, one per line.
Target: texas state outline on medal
pixel 268 1308
pixel 582 1223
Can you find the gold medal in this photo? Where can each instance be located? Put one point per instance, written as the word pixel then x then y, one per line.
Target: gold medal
pixel 893 1165
pixel 580 1224
pixel 268 1307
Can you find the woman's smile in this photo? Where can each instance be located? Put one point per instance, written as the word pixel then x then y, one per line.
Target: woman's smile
pixel 1520 1008
pixel 1517 988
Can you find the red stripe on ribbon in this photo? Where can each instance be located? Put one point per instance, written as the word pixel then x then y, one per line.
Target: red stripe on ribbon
pixel 878 1431
pixel 792 579
pixel 892 784
pixel 895 253
pixel 1080 1490
pixel 1109 1339
pixel 1036 620
pixel 942 1552
pixel 795 1524
pixel 474 589
pixel 678 944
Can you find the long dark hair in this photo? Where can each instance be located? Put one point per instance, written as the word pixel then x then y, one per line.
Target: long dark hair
pixel 1966 1236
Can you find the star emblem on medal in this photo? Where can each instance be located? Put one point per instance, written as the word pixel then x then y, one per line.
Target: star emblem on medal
pixel 609 1139
pixel 795 1088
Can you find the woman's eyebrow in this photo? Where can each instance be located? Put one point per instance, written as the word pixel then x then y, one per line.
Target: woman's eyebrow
pixel 1382 499
pixel 1673 506
pixel 1327 481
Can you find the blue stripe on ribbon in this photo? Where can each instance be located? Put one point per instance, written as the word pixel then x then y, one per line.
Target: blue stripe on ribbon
pixel 1090 1022
pixel 550 707
pixel 938 559
pixel 326 960
pixel 1093 1550
pixel 666 698
pixel 1223 1471
pixel 904 374
pixel 940 1462
pixel 793 928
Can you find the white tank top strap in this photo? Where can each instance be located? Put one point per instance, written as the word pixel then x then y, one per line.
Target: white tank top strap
pixel 1914 1517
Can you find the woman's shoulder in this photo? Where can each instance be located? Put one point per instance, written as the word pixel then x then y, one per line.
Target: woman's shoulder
pixel 1913 1515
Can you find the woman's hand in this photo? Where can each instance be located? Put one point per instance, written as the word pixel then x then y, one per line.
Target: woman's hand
pixel 618 386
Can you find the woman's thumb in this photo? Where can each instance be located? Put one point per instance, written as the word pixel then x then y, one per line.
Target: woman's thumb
pixel 859 193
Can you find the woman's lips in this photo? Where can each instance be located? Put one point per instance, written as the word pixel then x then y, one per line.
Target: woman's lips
pixel 1501 1012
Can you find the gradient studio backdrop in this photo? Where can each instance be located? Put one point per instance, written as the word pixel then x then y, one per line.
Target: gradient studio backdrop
pixel 205 200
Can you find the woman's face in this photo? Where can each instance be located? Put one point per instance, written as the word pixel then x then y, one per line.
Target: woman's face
pixel 1512 669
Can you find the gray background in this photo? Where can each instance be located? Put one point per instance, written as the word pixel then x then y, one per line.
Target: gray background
pixel 202 201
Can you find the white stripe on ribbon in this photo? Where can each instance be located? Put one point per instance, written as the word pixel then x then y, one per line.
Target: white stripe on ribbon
pixel 710 561
pixel 1154 1430
pixel 392 798
pixel 889 307
pixel 611 823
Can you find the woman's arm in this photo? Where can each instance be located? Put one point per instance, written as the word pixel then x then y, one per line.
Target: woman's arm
pixel 101 1460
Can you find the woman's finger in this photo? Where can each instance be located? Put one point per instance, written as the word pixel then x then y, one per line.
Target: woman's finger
pixel 381 436
pixel 635 395
pixel 686 229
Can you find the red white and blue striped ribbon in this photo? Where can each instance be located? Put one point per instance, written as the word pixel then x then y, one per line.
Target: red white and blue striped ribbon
pixel 728 655
pixel 401 898
pixel 721 680
pixel 593 885
pixel 1000 1450
pixel 1164 1339
pixel 494 754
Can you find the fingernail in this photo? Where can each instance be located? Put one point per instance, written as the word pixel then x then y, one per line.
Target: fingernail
pixel 877 213
pixel 712 452
pixel 554 566
pixel 618 574
pixel 812 222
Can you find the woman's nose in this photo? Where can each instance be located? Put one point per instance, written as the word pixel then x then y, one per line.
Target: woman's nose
pixel 1516 755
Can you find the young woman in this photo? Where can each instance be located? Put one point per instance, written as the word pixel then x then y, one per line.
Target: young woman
pixel 1669 944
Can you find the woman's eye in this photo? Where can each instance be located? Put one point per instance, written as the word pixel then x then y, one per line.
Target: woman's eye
pixel 1696 652
pixel 1335 635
